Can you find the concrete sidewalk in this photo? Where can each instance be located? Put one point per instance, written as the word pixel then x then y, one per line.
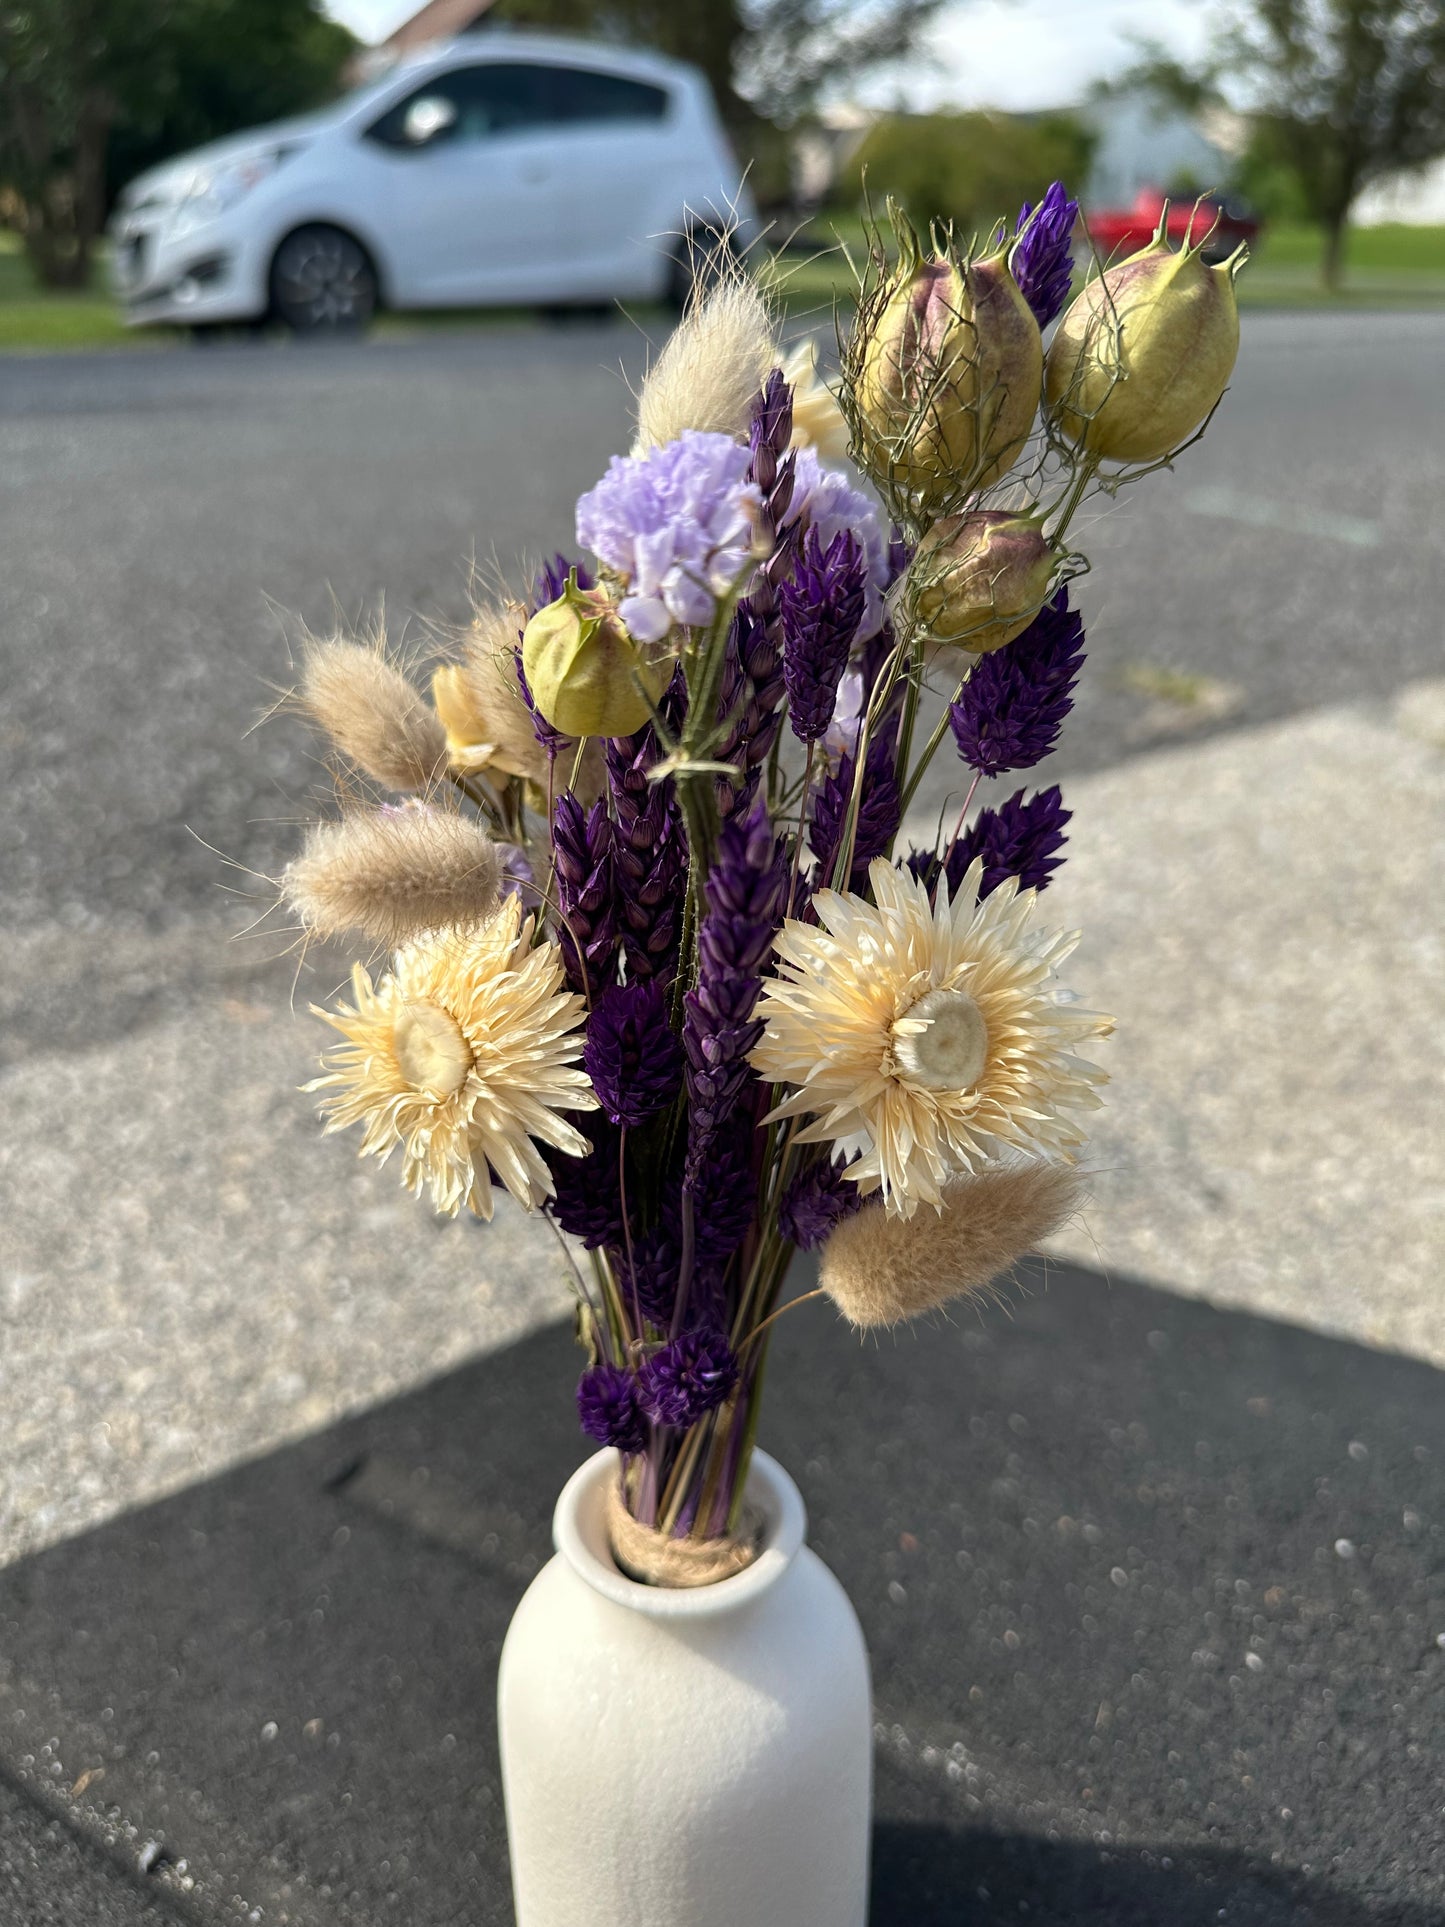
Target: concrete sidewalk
pixel 191 1275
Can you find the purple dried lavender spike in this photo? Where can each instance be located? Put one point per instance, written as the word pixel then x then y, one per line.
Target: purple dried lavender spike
pixel 650 851
pixel 1018 839
pixel 752 682
pixel 552 740
pixel 551 579
pixel 1043 258
pixel 1013 705
pixel 822 606
pixel 586 885
pixel 819 1199
pixel 631 1056
pixel 745 895
pixel 607 1404
pixel 688 1378
pixel 880 809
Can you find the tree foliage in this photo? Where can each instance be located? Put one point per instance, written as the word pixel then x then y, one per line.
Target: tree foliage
pixel 93 90
pixel 1340 93
pixel 970 169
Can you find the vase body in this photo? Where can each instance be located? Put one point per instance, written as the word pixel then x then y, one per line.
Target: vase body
pixel 686 1758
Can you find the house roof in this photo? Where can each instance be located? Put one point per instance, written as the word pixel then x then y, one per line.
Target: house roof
pixel 437 20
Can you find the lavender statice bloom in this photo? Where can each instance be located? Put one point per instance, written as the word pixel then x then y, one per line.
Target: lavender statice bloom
pixel 1043 259
pixel 688 1378
pixel 519 879
pixel 607 1405
pixel 880 808
pixel 824 499
pixel 1013 705
pixel 631 1056
pixel 649 852
pixel 587 1198
pixel 676 523
pixel 752 680
pixel 822 607
pixel 818 1199
pixel 745 895
pixel 585 881
pixel 1018 839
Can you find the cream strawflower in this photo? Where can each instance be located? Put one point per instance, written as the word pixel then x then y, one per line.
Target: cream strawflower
pixel 461 1055
pixel 926 1041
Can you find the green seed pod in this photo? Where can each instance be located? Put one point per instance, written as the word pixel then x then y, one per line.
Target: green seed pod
pixel 947 372
pixel 1144 353
pixel 586 674
pixel 978 580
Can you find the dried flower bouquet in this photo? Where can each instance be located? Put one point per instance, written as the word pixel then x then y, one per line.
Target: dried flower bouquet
pixel 658 969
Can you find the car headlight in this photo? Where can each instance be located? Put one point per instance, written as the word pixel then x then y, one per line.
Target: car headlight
pixel 213 190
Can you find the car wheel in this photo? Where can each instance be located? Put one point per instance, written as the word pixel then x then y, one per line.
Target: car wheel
pixel 322 282
pixel 700 260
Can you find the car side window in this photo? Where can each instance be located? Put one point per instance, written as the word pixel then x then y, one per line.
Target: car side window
pixel 479 103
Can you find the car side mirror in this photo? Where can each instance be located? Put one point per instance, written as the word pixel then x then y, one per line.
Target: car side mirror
pixel 428 117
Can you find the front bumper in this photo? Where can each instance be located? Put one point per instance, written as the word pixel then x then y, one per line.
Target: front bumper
pixel 201 273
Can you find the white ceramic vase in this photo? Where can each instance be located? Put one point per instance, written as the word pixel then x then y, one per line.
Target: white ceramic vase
pixel 686 1758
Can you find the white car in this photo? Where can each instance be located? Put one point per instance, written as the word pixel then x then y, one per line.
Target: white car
pixel 499 168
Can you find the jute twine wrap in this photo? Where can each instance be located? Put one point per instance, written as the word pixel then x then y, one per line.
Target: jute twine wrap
pixel 657 1559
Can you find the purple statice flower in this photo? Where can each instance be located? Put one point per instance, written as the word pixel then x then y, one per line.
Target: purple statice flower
pixel 822 607
pixel 1018 839
pixel 677 523
pixel 1013 705
pixel 1043 256
pixel 650 855
pixel 817 1200
pixel 585 881
pixel 587 1199
pixel 631 1056
pixel 519 879
pixel 752 684
pixel 745 896
pixel 688 1378
pixel 824 499
pixel 880 809
pixel 608 1407
pixel 551 580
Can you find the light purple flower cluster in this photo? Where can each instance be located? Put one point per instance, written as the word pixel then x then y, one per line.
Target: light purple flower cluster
pixel 1013 705
pixel 677 523
pixel 746 895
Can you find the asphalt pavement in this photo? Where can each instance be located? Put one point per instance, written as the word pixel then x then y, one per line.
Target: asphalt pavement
pixel 191 1277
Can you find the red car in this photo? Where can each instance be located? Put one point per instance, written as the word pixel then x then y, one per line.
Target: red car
pixel 1116 233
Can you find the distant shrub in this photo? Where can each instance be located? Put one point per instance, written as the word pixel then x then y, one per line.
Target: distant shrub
pixel 970 169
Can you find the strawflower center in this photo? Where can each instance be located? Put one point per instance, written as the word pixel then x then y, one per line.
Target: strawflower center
pixel 430 1050
pixel 941 1041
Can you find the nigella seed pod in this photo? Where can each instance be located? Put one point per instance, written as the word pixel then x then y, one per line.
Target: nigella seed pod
pixel 978 580
pixel 1144 353
pixel 947 375
pixel 585 673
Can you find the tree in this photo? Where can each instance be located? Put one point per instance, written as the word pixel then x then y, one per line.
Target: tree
pixel 764 57
pixel 968 168
pixel 1341 92
pixel 78 77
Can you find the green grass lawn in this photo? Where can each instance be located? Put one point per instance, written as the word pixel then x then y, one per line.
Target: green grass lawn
pixel 1394 267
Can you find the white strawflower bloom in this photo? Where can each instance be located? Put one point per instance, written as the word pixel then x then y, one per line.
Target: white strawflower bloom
pixel 462 1055
pixel 924 1041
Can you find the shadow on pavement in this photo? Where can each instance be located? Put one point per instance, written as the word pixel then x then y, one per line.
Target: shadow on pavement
pixel 1152 1591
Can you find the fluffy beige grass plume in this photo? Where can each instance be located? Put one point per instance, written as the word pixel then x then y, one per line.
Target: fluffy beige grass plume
pixel 880 1269
pixel 711 369
pixel 374 715
pixel 392 873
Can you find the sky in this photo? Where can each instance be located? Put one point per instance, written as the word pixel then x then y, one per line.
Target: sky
pixel 1001 53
